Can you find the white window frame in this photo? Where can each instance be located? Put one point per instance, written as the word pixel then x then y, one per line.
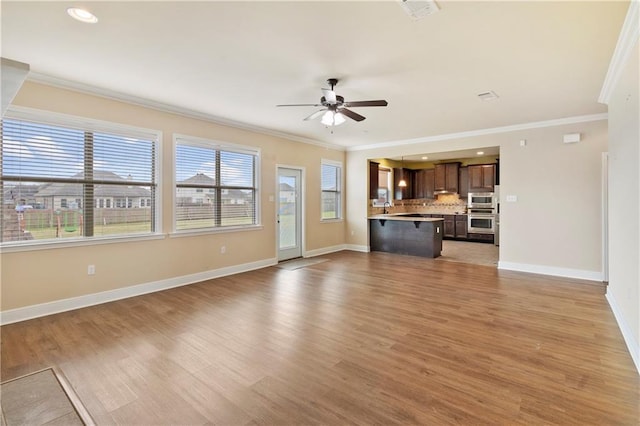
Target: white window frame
pixel 389 171
pixel 218 145
pixel 340 215
pixel 58 119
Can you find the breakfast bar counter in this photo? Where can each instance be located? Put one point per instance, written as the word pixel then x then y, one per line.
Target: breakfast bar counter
pixel 406 233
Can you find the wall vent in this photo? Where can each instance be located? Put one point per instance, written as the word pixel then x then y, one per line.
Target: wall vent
pixel 417 9
pixel 488 96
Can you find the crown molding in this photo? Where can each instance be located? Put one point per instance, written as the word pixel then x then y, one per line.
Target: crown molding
pixel 626 41
pixel 489 131
pixel 159 106
pixel 162 107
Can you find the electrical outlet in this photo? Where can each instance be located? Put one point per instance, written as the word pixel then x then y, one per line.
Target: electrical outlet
pixel 223 249
pixel 91 270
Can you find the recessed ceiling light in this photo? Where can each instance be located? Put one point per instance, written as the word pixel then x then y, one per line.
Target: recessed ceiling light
pixel 480 152
pixel 82 15
pixel 425 158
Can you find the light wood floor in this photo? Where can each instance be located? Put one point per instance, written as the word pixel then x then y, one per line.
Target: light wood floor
pixel 360 339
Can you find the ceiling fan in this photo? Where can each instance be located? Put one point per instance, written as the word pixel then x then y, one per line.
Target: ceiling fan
pixel 335 108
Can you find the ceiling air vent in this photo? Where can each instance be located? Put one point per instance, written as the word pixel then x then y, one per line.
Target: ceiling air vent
pixel 488 96
pixel 419 8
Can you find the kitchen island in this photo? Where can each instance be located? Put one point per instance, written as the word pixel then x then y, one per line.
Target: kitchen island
pixel 406 233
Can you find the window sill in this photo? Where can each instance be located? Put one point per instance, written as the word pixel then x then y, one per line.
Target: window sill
pixel 331 220
pixel 209 231
pixel 32 245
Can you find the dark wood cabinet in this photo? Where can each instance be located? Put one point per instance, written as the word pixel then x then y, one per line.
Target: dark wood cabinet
pixel 455 226
pixel 446 177
pixel 423 183
pixel 373 180
pixel 452 177
pixel 440 179
pixel 461 226
pixel 463 184
pixel 429 183
pixel 449 226
pixel 419 183
pixel 481 178
pixel 402 193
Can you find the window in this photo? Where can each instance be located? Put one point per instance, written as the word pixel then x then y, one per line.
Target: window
pixel 384 187
pixel 66 164
pixel 331 183
pixel 216 185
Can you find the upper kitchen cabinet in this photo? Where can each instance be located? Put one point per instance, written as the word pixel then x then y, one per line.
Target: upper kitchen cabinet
pixel 446 177
pixel 406 192
pixel 481 178
pixel 423 183
pixel 463 184
pixel 373 180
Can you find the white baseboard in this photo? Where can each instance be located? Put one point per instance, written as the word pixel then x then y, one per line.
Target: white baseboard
pixel 354 247
pixel 324 250
pixel 35 311
pixel 580 274
pixel 627 334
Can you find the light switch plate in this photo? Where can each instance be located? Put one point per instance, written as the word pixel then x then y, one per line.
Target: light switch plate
pixel 512 198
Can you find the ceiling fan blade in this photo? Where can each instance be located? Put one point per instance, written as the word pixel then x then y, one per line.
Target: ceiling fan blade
pixel 315 114
pixel 330 96
pixel 288 105
pixel 352 115
pixel 366 103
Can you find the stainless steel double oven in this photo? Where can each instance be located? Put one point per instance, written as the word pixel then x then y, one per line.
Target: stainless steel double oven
pixel 481 211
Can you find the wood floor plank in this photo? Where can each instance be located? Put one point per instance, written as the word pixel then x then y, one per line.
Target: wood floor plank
pixel 364 338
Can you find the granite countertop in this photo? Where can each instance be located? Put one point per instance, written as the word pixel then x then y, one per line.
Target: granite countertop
pixel 405 217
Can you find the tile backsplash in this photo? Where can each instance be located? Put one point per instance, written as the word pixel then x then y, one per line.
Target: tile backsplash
pixel 443 204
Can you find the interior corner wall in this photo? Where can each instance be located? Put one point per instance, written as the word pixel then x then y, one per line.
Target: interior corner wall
pixel 624 203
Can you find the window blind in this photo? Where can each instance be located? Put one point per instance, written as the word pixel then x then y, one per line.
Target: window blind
pixel 62 181
pixel 216 185
pixel 331 190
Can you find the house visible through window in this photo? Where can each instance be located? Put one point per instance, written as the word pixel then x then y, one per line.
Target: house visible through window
pixel 71 169
pixel 216 185
pixel 331 184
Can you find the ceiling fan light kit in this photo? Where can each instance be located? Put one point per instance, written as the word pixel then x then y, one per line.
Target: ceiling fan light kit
pixel 335 109
pixel 331 118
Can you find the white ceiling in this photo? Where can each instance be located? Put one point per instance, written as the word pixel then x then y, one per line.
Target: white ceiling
pixel 237 60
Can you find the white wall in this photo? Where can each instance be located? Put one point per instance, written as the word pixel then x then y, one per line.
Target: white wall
pixel 554 227
pixel 624 203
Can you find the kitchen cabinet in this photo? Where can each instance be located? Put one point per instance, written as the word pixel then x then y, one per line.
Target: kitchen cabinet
pixel 373 180
pixel 446 177
pixel 419 184
pixel 449 226
pixel 429 183
pixel 461 226
pixel 455 226
pixel 481 178
pixel 402 193
pixel 423 183
pixel 463 184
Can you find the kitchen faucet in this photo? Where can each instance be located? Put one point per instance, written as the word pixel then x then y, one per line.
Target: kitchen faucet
pixel 384 207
